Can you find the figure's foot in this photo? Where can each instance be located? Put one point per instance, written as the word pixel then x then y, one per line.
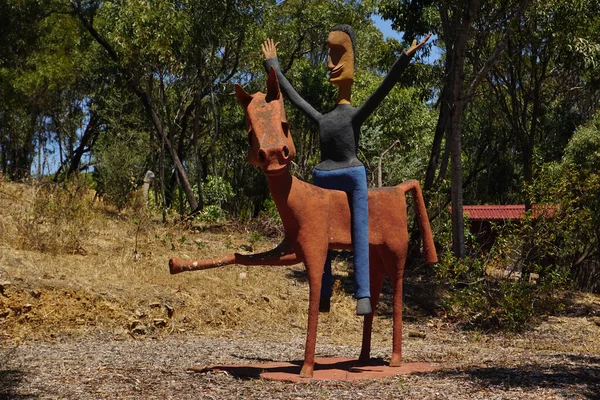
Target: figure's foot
pixel 324 304
pixel 363 306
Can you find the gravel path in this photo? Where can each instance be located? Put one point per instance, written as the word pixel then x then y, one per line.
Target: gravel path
pixel 538 364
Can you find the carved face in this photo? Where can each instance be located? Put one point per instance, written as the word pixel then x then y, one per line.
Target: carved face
pixel 341 58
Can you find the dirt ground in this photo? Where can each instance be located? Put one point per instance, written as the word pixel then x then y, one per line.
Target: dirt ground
pixel 560 359
pixel 97 315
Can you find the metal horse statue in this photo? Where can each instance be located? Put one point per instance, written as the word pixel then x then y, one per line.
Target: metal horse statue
pixel 316 220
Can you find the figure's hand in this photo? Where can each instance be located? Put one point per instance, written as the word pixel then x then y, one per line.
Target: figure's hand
pixel 414 47
pixel 269 49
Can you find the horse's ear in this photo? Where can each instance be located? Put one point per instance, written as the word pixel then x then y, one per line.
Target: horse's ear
pixel 273 91
pixel 242 97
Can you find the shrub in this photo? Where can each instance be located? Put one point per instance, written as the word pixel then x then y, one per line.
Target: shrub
pixel 475 300
pixel 268 223
pixel 212 214
pixel 217 191
pixel 57 218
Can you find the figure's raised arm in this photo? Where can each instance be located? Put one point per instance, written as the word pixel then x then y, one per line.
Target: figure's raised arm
pixel 389 81
pixel 414 46
pixel 269 50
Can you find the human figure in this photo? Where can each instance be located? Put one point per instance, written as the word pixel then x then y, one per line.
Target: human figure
pixel 339 131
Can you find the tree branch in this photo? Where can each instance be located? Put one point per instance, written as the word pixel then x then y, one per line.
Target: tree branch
pixel 500 46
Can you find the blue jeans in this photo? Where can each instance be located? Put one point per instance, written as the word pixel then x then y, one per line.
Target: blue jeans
pixel 353 181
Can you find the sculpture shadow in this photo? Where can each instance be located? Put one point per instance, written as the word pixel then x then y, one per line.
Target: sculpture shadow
pixel 248 372
pixel 10 379
pixel 580 374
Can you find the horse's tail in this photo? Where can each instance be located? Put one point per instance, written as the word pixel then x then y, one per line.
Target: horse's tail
pixel 429 253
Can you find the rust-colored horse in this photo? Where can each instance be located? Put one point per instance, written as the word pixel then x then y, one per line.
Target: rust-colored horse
pixel 316 219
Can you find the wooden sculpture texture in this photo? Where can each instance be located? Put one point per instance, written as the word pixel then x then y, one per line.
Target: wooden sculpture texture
pixel 339 132
pixel 316 220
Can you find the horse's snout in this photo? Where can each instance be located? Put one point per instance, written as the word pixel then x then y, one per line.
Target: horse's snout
pixel 272 158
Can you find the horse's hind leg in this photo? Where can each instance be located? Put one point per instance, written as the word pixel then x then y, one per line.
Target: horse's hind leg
pixel 313 261
pixel 377 276
pixel 396 260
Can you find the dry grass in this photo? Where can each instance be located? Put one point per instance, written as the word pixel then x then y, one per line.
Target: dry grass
pixel 118 278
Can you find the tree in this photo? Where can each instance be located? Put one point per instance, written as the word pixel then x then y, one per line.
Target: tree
pixel 460 26
pixel 174 58
pixel 542 83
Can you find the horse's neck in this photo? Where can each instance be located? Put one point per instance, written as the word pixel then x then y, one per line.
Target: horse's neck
pixel 280 187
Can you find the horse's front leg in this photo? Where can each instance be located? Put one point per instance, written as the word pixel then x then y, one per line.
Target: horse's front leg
pixel 315 254
pixel 283 254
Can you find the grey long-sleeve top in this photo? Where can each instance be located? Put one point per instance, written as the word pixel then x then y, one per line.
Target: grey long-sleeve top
pixel 339 129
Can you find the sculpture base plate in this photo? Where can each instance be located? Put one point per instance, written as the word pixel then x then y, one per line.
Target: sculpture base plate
pixel 326 369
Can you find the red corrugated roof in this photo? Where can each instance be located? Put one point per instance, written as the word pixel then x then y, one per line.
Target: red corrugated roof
pixel 503 212
pixel 486 213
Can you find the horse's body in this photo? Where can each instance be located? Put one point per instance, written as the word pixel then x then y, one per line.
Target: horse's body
pixel 316 220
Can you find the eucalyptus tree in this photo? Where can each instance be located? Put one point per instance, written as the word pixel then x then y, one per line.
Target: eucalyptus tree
pixel 546 82
pixel 18 40
pixel 175 56
pixel 462 27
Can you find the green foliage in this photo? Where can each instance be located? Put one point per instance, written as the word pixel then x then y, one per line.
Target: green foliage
pixel 402 117
pixel 583 150
pixel 217 191
pixel 270 210
pixel 475 299
pixel 212 214
pixel 555 246
pixel 120 167
pixel 573 186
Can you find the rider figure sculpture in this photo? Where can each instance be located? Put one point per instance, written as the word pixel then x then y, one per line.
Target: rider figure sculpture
pixel 339 131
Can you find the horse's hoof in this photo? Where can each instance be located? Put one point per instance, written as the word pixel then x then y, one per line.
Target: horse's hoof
pixel 306 372
pixel 363 306
pixel 364 360
pixel 395 363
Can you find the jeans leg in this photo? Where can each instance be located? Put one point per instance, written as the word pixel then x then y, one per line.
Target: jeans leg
pixel 327 282
pixel 360 239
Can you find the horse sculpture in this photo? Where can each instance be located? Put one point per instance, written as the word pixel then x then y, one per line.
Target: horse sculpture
pixel 316 220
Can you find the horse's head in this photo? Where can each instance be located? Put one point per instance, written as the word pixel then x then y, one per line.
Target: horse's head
pixel 269 138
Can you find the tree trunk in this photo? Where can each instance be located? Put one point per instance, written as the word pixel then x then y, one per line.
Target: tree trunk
pixel 197 154
pixel 440 132
pixel 458 229
pixel 457 58
pixel 88 138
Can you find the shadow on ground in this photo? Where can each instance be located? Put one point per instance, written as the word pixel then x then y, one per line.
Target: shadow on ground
pixel 573 374
pixel 10 380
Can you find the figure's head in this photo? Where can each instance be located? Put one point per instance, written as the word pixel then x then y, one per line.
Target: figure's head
pixel 341 55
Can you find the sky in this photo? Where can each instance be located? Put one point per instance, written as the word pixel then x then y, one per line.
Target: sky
pixel 386 28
